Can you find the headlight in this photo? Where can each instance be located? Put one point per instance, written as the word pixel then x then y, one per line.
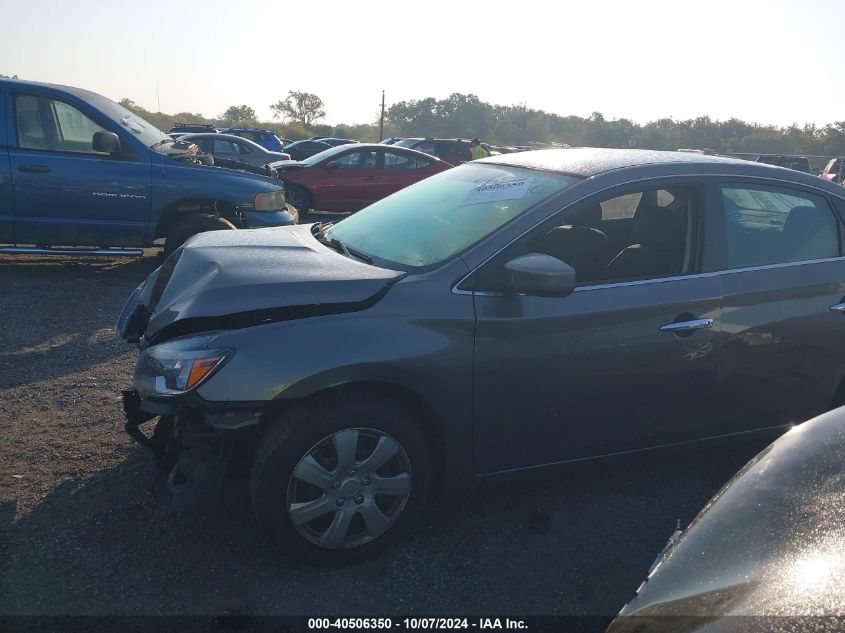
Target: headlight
pixel 270 201
pixel 177 367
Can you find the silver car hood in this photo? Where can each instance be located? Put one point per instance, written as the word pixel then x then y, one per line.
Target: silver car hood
pixel 231 279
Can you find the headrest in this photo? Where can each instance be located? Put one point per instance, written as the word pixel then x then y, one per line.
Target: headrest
pixel 589 215
pixel 660 228
pixel 808 234
pixel 805 221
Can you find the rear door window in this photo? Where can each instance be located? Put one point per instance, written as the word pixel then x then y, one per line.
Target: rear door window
pixel 770 225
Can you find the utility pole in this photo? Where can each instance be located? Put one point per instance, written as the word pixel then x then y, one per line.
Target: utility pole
pixel 381 122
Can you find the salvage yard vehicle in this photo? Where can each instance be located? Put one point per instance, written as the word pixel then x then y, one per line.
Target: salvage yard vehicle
pixel 265 138
pixel 767 553
pixel 192 128
pixel 834 171
pixel 800 163
pixel 452 150
pixel 518 311
pixel 349 177
pixel 235 148
pixel 81 170
pixel 300 150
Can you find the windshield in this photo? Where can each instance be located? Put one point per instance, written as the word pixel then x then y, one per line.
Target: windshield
pixel 440 217
pixel 326 153
pixel 147 133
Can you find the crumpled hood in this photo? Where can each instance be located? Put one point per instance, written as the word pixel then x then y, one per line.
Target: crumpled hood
pixel 230 279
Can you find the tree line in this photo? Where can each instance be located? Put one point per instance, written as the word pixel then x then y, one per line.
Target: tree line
pixel 465 115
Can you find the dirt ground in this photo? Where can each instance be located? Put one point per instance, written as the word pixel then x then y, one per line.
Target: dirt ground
pixel 80 535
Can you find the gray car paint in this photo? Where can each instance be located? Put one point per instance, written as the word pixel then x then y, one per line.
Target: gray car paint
pixel 769 544
pixel 232 272
pixel 520 378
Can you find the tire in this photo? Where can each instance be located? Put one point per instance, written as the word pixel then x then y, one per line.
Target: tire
pixel 306 441
pixel 298 197
pixel 191 225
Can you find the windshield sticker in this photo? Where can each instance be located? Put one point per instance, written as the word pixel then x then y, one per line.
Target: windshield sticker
pixel 503 188
pixel 132 124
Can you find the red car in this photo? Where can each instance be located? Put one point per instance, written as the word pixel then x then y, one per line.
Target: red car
pixel 350 177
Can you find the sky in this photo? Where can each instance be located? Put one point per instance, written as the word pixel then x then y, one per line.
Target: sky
pixel 773 62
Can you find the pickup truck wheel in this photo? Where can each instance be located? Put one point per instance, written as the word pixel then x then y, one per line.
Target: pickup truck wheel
pixel 298 197
pixel 337 482
pixel 191 225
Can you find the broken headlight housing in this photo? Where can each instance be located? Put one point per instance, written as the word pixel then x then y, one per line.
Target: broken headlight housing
pixel 177 367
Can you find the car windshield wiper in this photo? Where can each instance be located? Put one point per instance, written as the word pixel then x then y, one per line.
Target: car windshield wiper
pixel 319 231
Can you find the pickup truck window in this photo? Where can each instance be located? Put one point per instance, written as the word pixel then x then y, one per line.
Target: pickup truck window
pixel 48 124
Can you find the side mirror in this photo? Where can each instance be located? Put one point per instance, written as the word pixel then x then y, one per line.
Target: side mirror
pixel 540 275
pixel 332 164
pixel 106 142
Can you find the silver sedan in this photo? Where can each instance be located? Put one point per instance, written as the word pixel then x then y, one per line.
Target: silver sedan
pixel 234 148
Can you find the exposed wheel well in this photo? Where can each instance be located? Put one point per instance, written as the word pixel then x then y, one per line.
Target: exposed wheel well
pixel 179 209
pixel 422 410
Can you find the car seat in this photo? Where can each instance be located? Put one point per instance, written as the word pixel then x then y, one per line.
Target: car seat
pixel 579 244
pixel 659 250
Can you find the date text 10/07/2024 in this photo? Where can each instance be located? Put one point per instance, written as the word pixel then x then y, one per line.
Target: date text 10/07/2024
pixel 412 624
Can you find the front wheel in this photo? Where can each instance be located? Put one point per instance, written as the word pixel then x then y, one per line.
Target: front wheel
pixel 191 225
pixel 339 482
pixel 298 197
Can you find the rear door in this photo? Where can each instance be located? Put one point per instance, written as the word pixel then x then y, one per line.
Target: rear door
pixel 352 184
pixel 783 358
pixel 401 170
pixel 66 193
pixel 6 209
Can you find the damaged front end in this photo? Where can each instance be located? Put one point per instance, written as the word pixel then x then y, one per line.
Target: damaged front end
pixel 194 442
pixel 218 283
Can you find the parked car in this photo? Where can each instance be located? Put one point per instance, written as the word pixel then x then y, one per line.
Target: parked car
pixel 300 150
pixel 235 148
pixel 452 150
pixel 349 177
pixel 800 163
pixel 834 171
pixel 513 312
pixel 265 138
pixel 334 142
pixel 77 169
pixel 191 128
pixel 391 140
pixel 767 553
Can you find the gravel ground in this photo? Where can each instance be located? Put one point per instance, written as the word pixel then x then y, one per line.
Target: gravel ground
pixel 79 533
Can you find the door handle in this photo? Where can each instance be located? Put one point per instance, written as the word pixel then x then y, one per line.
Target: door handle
pixel 34 169
pixel 689 326
pixel 837 307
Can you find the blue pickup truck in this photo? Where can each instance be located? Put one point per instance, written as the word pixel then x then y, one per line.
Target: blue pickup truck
pixel 77 169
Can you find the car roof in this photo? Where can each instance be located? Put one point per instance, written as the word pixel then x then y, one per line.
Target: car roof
pixel 218 135
pixel 592 161
pixel 249 129
pixel 77 92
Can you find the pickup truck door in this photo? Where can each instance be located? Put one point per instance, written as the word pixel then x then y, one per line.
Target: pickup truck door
pixel 6 232
pixel 65 193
